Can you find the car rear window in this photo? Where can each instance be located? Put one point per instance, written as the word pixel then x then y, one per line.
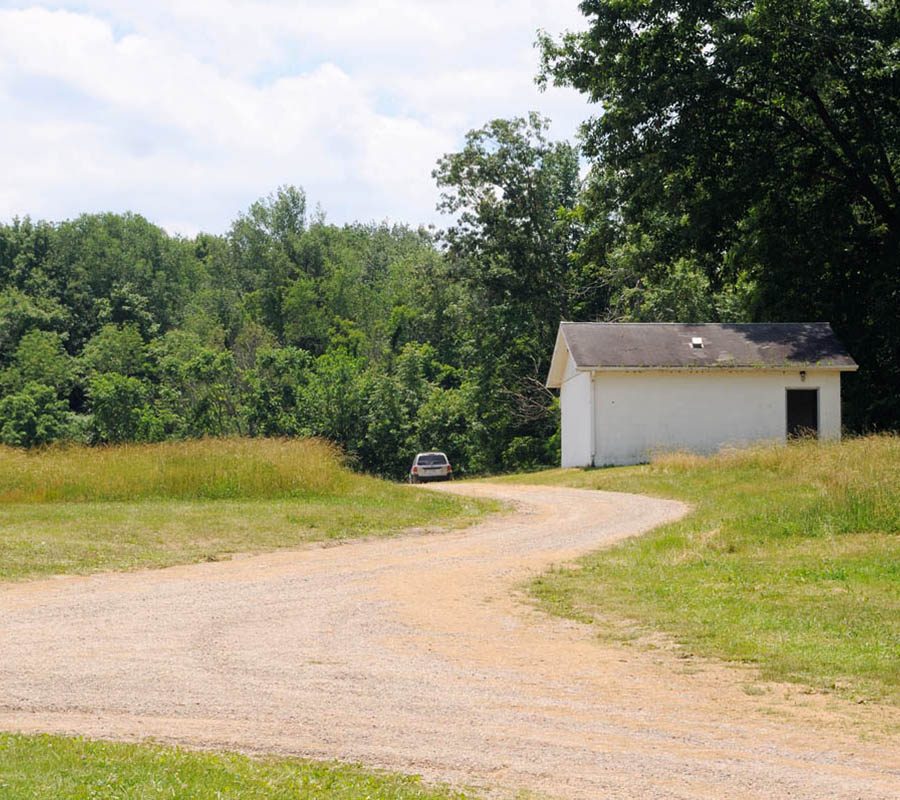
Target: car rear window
pixel 432 461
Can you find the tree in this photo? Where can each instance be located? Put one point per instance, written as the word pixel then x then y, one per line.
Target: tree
pixel 305 322
pixel 20 313
pixel 273 402
pixel 758 141
pixel 334 399
pixel 209 384
pixel 119 408
pixel 266 245
pixel 376 336
pixel 120 269
pixel 442 422
pixel 514 194
pixel 39 358
pixel 33 416
pixel 509 187
pixel 394 403
pixel 116 348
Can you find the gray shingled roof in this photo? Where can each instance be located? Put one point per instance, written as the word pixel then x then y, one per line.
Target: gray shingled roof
pixel 668 345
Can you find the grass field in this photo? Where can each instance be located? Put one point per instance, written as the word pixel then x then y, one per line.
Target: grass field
pixel 54 768
pixel 789 561
pixel 80 510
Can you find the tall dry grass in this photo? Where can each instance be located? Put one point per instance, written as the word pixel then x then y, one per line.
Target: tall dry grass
pixel 790 561
pixel 853 485
pixel 208 469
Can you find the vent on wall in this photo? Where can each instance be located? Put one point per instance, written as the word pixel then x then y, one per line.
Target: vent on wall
pixel 697 343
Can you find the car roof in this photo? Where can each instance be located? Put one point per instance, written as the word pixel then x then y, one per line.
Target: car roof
pixel 432 453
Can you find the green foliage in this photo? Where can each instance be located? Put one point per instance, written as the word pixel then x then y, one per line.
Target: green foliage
pixel 514 194
pixel 20 313
pixel 119 406
pixel 335 397
pixel 209 388
pixel 39 358
pixel 118 269
pixel 116 348
pixel 746 165
pixel 305 322
pixel 274 401
pixel 33 416
pixel 508 187
pixel 443 421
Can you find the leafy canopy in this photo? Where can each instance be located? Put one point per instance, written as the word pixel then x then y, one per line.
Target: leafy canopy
pixel 756 143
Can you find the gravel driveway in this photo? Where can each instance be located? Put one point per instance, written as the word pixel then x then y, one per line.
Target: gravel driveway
pixel 417 654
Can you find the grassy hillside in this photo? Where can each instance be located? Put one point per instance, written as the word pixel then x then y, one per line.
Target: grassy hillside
pixel 790 560
pixel 79 509
pixel 52 768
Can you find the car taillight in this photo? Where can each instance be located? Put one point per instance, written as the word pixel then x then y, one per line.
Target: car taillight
pixel 449 468
pixel 415 470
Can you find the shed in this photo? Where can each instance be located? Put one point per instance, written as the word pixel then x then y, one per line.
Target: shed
pixel 628 390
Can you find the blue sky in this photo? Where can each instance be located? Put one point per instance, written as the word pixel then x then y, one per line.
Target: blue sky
pixel 188 110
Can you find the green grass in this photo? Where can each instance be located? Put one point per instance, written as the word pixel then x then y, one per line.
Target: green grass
pixel 790 561
pixel 81 510
pixel 55 768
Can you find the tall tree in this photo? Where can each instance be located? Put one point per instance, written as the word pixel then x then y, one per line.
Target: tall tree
pixel 266 246
pixel 513 192
pixel 751 141
pixel 509 188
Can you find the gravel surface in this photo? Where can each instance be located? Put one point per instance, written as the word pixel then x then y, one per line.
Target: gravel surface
pixel 419 654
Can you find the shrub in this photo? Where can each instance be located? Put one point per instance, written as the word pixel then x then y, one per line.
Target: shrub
pixel 118 403
pixel 33 416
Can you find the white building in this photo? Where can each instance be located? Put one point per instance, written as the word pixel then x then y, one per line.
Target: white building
pixel 628 390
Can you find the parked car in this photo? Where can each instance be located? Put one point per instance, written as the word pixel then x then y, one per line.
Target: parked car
pixel 430 467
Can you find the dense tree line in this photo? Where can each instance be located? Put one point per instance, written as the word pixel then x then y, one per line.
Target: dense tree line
pixel 744 167
pixel 381 338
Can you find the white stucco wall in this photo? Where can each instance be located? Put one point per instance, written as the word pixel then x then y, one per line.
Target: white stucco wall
pixel 575 407
pixel 642 412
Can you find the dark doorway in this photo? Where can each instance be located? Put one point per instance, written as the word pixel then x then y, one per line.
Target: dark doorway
pixel 803 412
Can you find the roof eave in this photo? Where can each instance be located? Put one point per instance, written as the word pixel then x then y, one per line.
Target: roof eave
pixel 558 362
pixel 722 367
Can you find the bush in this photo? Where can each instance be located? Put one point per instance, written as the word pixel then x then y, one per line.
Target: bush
pixel 33 416
pixel 118 403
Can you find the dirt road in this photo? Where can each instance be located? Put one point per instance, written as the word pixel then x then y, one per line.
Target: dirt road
pixel 417 654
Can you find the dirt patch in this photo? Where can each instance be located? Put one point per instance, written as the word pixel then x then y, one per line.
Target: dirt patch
pixel 416 654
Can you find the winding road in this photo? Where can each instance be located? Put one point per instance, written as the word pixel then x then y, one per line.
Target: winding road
pixel 420 654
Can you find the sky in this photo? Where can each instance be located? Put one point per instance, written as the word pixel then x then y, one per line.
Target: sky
pixel 186 111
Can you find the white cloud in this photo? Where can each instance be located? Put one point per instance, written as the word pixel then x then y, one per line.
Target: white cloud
pixel 188 111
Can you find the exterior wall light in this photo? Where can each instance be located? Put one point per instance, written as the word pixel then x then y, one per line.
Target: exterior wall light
pixel 802 376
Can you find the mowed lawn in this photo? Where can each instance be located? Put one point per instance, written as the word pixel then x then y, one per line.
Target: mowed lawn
pixel 81 510
pixel 55 768
pixel 790 561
